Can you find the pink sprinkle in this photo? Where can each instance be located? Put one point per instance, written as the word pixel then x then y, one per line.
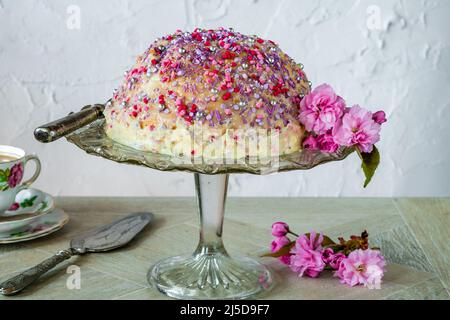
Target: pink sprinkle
pixel 259 104
pixel 228 111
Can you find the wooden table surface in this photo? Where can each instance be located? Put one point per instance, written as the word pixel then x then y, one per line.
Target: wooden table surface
pixel 412 233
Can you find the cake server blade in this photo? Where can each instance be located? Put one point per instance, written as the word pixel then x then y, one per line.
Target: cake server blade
pixel 105 238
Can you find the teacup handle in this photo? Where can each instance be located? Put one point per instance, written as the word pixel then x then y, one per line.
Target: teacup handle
pixel 36 173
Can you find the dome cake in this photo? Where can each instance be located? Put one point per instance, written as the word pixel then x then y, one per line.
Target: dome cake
pixel 210 93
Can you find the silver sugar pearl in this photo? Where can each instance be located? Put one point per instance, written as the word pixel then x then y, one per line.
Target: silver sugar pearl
pixel 212 49
pixel 242 104
pixel 299 78
pixel 214 90
pixel 161 107
pixel 301 66
pixel 245 65
pixel 187 34
pixel 310 83
pixel 273 102
pixel 200 114
pixel 271 60
pixel 273 49
pixel 161 48
pixel 181 50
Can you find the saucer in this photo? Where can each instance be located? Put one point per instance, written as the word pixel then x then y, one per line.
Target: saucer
pixel 30 201
pixel 43 225
pixel 30 204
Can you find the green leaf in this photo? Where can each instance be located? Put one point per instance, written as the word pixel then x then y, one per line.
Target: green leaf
pixel 28 202
pixel 3 176
pixel 282 252
pixel 370 162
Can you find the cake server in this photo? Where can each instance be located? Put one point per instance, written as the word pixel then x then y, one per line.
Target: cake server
pixel 54 130
pixel 108 237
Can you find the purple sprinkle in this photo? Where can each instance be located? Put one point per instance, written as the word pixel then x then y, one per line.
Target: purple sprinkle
pixel 217 114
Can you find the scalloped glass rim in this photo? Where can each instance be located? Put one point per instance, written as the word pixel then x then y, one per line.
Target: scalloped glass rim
pixel 93 139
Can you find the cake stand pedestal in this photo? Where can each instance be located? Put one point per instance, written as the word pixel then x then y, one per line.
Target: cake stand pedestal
pixel 210 272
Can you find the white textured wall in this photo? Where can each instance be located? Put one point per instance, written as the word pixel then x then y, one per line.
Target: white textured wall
pixel 48 69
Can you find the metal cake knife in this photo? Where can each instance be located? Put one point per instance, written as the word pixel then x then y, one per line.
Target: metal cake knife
pixel 54 130
pixel 108 237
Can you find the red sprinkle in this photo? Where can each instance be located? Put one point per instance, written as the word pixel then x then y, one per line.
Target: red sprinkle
pixel 226 96
pixel 228 55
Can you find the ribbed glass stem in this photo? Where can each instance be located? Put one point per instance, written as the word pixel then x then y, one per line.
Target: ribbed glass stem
pixel 211 196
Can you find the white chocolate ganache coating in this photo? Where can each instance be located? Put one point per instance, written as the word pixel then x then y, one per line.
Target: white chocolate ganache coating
pixel 210 93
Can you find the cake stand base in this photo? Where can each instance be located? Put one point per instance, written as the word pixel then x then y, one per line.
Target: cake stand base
pixel 210 276
pixel 210 273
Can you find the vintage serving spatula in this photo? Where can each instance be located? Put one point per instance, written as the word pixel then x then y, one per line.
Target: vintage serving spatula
pixel 108 237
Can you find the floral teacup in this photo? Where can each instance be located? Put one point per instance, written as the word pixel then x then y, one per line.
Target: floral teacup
pixel 12 165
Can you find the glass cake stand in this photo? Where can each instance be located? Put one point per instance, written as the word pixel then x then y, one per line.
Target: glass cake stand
pixel 210 272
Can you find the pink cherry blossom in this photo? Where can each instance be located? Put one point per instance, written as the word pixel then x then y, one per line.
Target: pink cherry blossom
pixel 379 117
pixel 321 109
pixel 357 128
pixel 279 243
pixel 306 258
pixel 286 259
pixel 280 229
pixel 336 259
pixel 332 259
pixel 326 143
pixel 327 254
pixel 364 267
pixel 310 143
